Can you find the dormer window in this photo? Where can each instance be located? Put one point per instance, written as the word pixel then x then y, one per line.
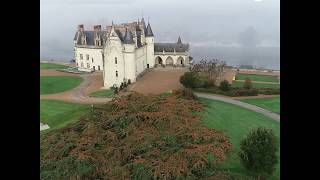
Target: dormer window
pixel 83 40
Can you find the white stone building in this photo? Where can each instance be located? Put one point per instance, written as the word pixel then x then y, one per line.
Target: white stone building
pixel 124 51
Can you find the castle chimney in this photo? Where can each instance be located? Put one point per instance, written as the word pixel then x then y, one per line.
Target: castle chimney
pixel 81 27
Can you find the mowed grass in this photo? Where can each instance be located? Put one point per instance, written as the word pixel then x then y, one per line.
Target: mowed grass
pixel 58 114
pixel 256 85
pixel 236 123
pixel 52 66
pixel 56 84
pixel 103 93
pixel 271 104
pixel 256 77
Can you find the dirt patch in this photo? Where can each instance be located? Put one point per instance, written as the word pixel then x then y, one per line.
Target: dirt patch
pixel 158 81
pixel 96 82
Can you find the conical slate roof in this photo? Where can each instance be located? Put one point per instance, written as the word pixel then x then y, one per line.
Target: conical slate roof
pixel 128 37
pixel 179 41
pixel 149 31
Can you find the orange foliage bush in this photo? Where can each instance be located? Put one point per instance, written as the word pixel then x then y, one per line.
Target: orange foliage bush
pixel 159 133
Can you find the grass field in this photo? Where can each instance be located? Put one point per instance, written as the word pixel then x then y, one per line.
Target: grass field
pixel 271 104
pixel 256 85
pixel 103 93
pixel 236 123
pixel 256 77
pixel 52 66
pixel 56 84
pixel 58 114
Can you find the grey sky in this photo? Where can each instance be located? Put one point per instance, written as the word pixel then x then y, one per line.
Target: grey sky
pixel 207 24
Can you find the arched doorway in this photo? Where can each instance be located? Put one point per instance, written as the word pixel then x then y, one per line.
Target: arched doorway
pixel 180 61
pixel 169 61
pixel 158 60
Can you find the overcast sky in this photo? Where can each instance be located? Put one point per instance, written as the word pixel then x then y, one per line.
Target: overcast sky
pixel 212 25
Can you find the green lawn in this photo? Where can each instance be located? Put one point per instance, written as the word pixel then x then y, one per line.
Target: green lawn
pixel 103 93
pixel 236 122
pixel 58 114
pixel 52 66
pixel 271 104
pixel 55 84
pixel 256 77
pixel 165 94
pixel 256 85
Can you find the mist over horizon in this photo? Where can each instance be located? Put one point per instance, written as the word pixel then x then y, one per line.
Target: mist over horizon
pixel 240 32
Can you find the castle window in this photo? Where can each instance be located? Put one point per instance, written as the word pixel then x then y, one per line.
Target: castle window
pixel 116 73
pixel 81 56
pixel 87 56
pixel 115 60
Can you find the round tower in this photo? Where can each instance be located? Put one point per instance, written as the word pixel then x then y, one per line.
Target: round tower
pixel 150 46
pixel 129 57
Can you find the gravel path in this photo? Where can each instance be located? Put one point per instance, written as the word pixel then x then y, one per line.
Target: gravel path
pixel 257 109
pixel 90 83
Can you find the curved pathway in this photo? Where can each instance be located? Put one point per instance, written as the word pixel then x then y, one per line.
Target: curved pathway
pixel 78 94
pixel 257 109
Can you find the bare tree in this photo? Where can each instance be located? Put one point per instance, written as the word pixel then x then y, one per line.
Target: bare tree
pixel 212 68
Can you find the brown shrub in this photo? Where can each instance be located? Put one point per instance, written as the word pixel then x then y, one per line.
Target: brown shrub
pixel 137 136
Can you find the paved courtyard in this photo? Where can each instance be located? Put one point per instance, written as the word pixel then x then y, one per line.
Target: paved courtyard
pixel 159 80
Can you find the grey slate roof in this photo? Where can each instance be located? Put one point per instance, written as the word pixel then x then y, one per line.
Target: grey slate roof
pixel 128 38
pixel 179 40
pixel 89 37
pixel 149 31
pixel 169 47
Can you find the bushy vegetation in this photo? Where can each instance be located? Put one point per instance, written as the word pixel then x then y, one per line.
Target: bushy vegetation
pixel 269 91
pixel 135 137
pixel 247 83
pixel 185 93
pixel 191 80
pixel 224 85
pixel 258 152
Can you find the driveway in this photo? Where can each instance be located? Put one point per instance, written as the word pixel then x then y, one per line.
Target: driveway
pixel 159 80
pixel 257 109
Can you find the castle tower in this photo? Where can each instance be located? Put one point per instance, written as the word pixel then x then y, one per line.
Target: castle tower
pixel 113 60
pixel 150 46
pixel 129 57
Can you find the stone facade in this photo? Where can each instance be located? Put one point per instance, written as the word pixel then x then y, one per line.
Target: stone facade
pixel 124 51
